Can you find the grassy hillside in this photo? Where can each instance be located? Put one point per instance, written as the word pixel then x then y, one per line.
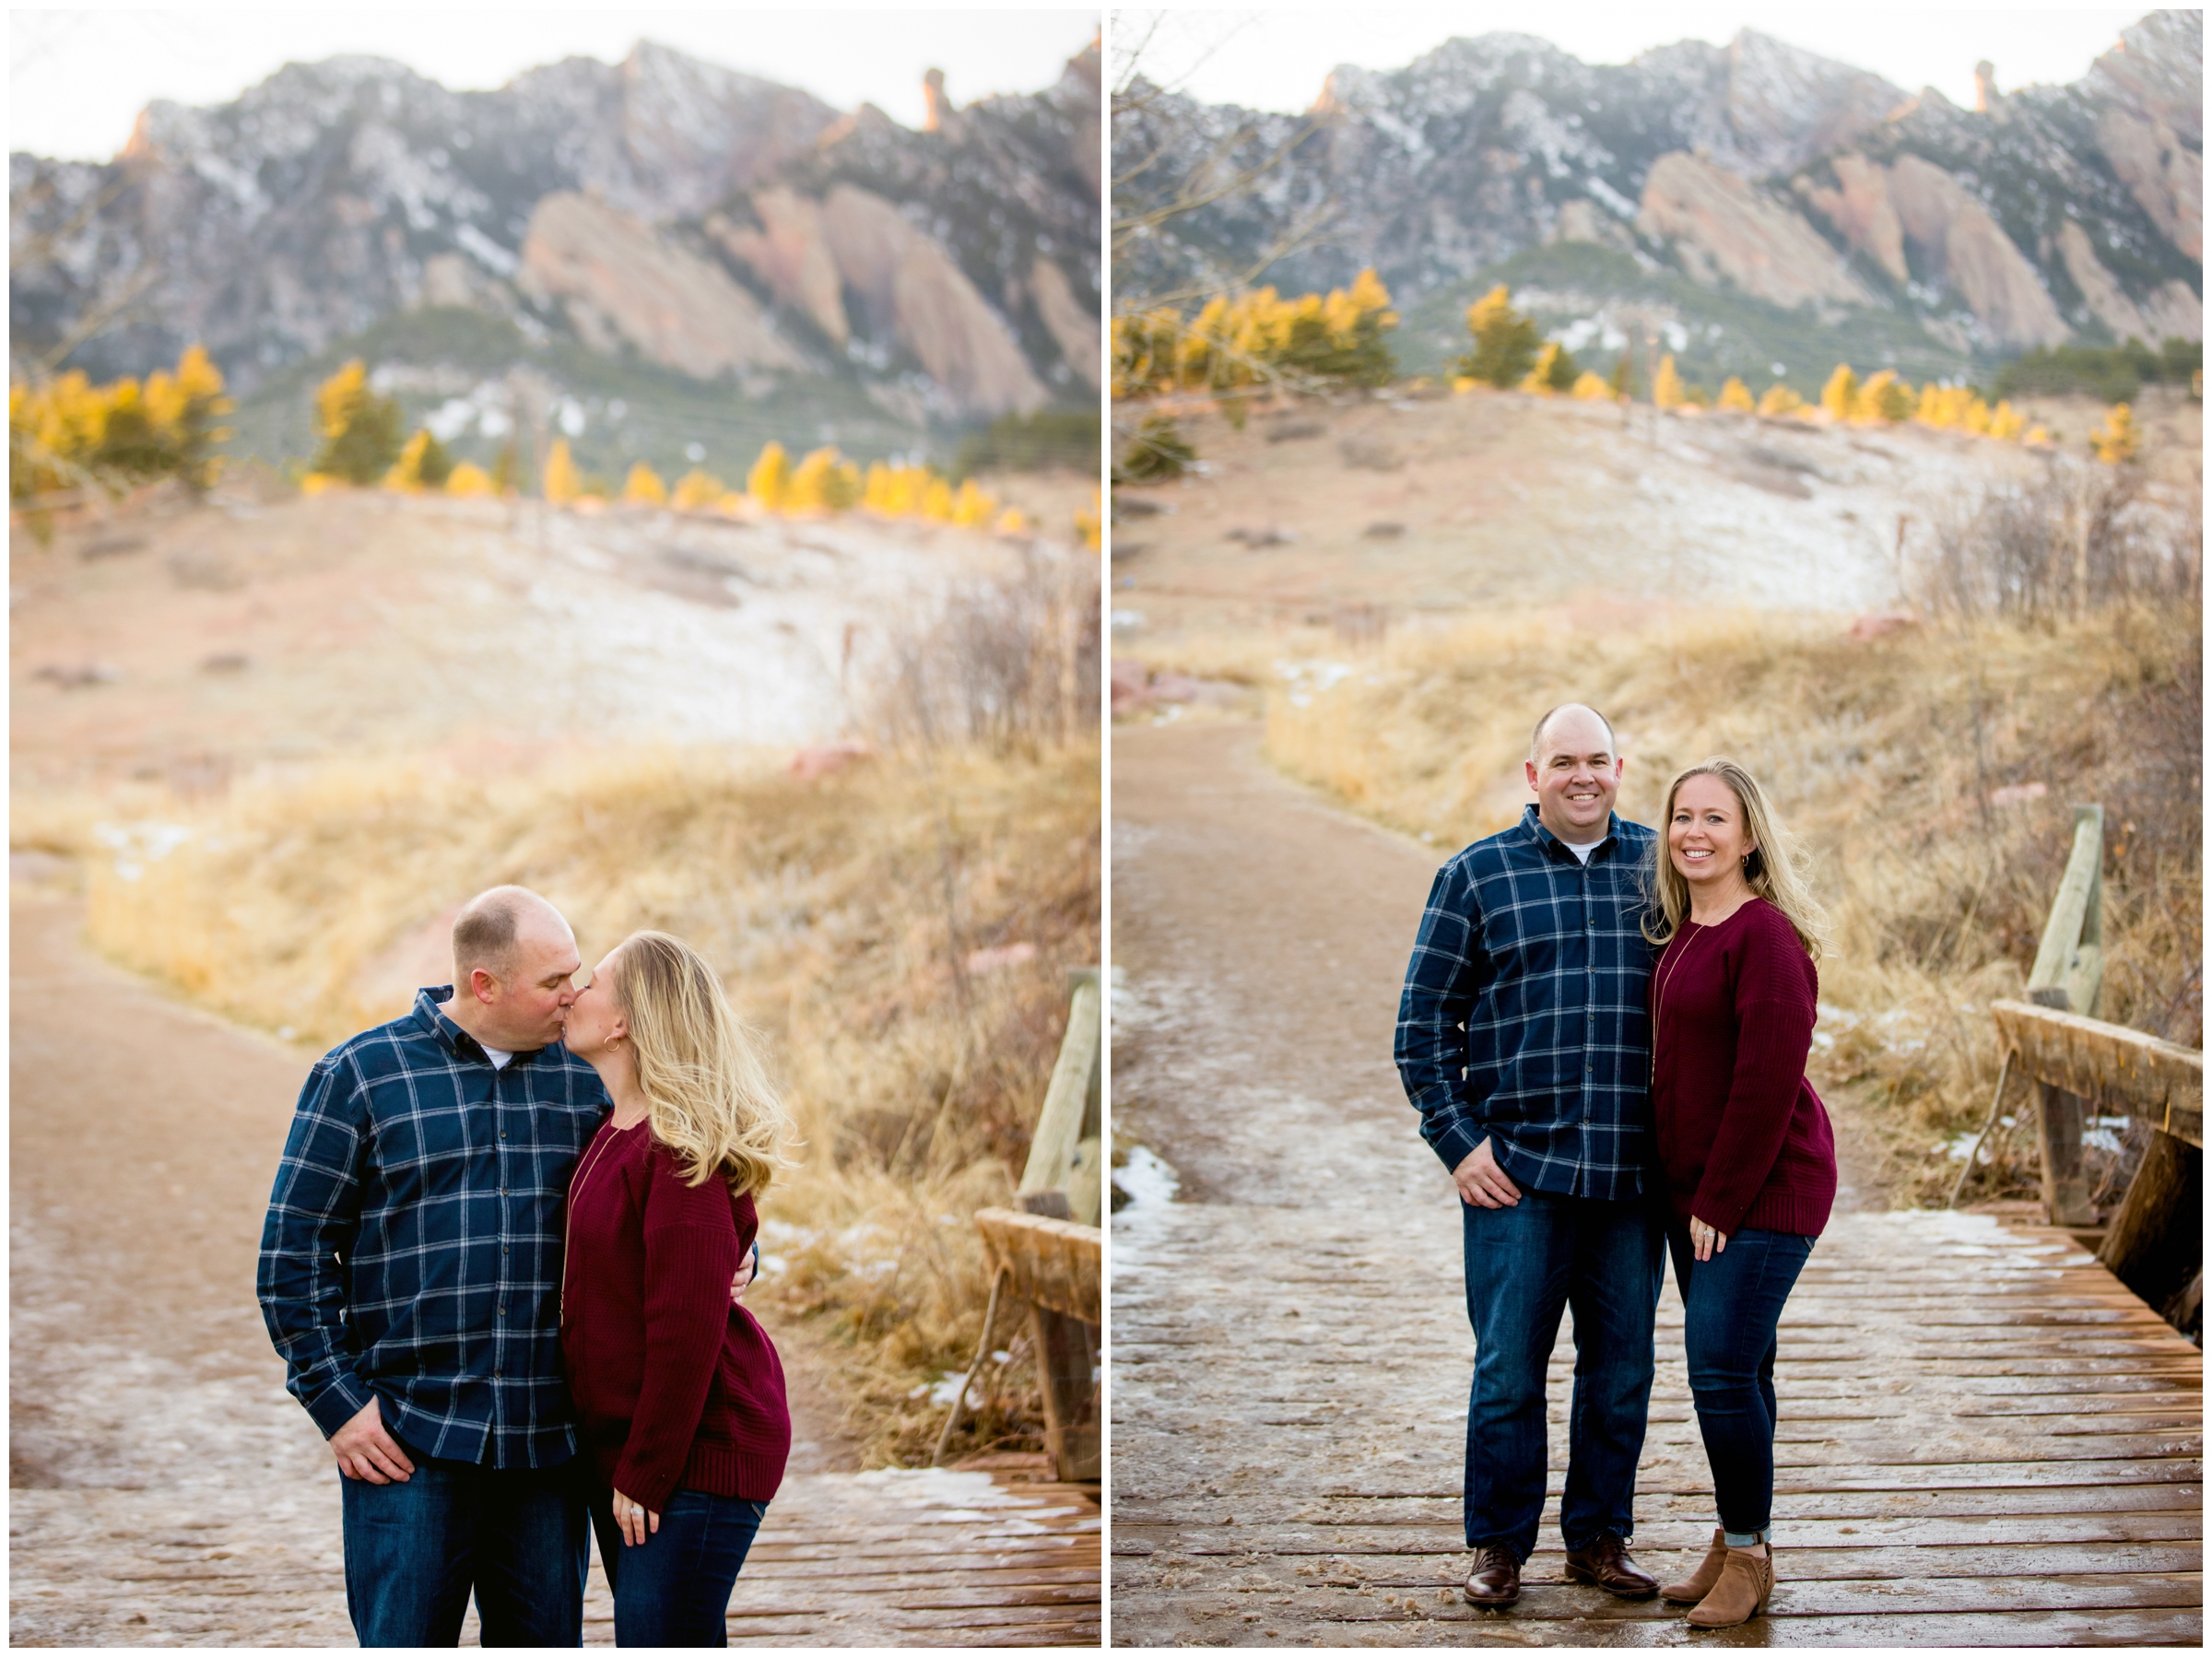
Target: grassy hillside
pixel 842 910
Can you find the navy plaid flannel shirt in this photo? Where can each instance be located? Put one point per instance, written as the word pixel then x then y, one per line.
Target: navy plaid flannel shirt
pixel 412 1245
pixel 1543 960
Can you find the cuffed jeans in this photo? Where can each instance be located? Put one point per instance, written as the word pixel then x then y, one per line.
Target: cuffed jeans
pixel 1524 1265
pixel 673 1589
pixel 1731 1305
pixel 517 1536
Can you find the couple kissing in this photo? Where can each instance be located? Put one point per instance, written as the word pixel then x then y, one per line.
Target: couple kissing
pixel 502 1263
pixel 1605 1030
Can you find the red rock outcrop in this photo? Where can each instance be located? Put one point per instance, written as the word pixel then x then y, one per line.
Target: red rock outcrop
pixel 1722 228
pixel 2171 310
pixel 789 253
pixel 1861 209
pixel 935 310
pixel 1074 325
pixel 2160 171
pixel 621 280
pixel 1971 253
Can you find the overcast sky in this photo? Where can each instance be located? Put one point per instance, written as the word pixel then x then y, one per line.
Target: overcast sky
pixel 78 77
pixel 1276 58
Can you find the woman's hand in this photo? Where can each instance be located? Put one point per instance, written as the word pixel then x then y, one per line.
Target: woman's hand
pixel 1704 1242
pixel 634 1521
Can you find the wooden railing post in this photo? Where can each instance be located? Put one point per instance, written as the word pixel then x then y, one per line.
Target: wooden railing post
pixel 1049 1251
pixel 2069 975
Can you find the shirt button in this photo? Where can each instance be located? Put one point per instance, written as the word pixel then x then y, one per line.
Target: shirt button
pixel 497 1374
pixel 502 1312
pixel 502 1191
pixel 502 1136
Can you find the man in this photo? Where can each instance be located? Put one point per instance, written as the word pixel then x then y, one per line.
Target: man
pixel 410 1278
pixel 1540 1107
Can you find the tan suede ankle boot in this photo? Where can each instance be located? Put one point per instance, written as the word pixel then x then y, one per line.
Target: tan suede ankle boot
pixel 1746 1582
pixel 1698 1583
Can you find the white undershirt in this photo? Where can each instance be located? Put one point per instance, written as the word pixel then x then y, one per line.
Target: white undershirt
pixel 1581 854
pixel 499 1061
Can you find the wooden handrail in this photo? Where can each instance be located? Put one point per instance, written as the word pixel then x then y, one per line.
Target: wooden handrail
pixel 1049 1263
pixel 2093 1060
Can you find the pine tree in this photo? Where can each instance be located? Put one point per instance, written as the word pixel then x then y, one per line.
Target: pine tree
pixel 1506 342
pixel 1882 396
pixel 423 464
pixel 360 430
pixel 1666 385
pixel 1624 376
pixel 643 486
pixel 1780 400
pixel 1554 369
pixel 563 483
pixel 1736 395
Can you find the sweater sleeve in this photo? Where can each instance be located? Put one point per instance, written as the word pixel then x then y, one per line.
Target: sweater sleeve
pixel 690 1253
pixel 1774 1014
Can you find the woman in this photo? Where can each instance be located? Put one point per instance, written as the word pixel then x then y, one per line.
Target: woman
pixel 679 1392
pixel 1749 1159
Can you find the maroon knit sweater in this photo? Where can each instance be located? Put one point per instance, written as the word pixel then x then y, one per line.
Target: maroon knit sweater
pixel 1744 1139
pixel 676 1387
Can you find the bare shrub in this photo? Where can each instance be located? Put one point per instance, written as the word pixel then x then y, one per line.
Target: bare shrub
pixel 2085 537
pixel 1010 666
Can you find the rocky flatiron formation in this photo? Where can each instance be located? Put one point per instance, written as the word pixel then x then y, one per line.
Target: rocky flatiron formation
pixel 662 210
pixel 2047 215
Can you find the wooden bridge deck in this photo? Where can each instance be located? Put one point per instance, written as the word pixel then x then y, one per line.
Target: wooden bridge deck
pixel 1985 1441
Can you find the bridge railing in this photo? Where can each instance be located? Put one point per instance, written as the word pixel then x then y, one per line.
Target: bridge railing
pixel 1049 1252
pixel 2155 1243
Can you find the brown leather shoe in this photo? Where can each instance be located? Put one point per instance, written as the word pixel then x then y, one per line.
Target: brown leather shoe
pixel 1698 1583
pixel 1607 1563
pixel 1495 1581
pixel 1746 1583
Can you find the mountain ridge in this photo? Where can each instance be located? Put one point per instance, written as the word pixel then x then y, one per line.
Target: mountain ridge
pixel 336 195
pixel 1755 168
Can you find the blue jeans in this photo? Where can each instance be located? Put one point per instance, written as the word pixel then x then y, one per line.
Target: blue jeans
pixel 516 1537
pixel 1524 1265
pixel 1731 1305
pixel 674 1587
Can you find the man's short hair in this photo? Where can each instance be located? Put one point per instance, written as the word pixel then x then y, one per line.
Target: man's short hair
pixel 485 929
pixel 1536 737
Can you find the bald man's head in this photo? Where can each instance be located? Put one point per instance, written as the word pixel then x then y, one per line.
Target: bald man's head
pixel 515 967
pixel 492 927
pixel 1536 738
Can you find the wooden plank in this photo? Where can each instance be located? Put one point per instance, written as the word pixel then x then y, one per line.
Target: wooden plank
pixel 2136 1075
pixel 1050 1263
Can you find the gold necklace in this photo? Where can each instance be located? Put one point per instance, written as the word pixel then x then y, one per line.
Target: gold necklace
pixel 568 1223
pixel 1658 999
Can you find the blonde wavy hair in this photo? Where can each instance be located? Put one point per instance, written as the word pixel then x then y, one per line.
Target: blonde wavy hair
pixel 1777 869
pixel 708 1094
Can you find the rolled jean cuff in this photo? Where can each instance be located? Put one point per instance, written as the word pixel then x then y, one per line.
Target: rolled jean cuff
pixel 1748 1539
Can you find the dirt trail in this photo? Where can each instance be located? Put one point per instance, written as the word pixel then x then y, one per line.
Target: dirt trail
pixel 165 1489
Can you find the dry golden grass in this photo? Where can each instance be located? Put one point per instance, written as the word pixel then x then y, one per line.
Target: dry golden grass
pixel 842 912
pixel 1882 756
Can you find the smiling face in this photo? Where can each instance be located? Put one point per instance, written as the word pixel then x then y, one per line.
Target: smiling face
pixel 1576 775
pixel 1707 838
pixel 593 1018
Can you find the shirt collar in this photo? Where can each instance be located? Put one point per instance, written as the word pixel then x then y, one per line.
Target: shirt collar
pixel 1552 846
pixel 431 1018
